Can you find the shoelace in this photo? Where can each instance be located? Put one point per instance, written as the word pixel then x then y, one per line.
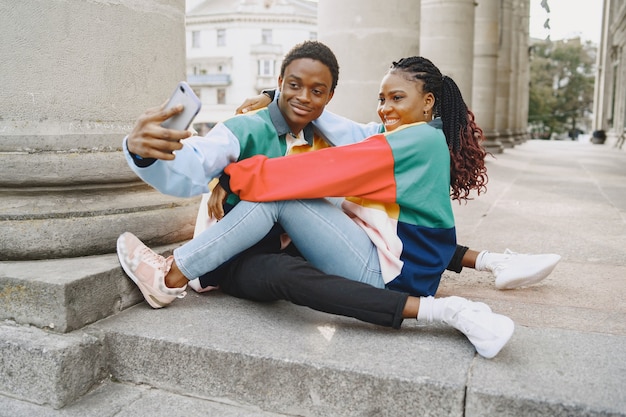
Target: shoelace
pixel 498 266
pixel 151 258
pixel 468 327
pixel 469 306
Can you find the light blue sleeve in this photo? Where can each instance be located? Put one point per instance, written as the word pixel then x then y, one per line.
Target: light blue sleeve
pixel 201 159
pixel 339 130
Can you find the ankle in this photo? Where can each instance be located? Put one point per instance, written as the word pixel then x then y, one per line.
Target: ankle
pixel 175 282
pixel 425 311
pixel 481 261
pixel 175 278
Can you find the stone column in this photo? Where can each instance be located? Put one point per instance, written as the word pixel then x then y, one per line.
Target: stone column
pixel 75 76
pixel 367 36
pixel 447 38
pixel 619 113
pixel 503 99
pixel 603 69
pixel 524 73
pixel 515 72
pixel 485 74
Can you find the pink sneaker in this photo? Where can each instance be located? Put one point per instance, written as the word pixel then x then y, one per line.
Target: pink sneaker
pixel 147 269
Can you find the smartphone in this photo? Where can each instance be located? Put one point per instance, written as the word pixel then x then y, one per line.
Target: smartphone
pixel 183 94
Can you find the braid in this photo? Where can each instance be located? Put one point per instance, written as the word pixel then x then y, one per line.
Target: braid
pixel 454 115
pixel 463 136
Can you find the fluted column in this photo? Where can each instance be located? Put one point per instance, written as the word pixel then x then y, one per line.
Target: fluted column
pixel 603 65
pixel 447 38
pixel 503 98
pixel 515 72
pixel 75 75
pixel 619 115
pixel 486 38
pixel 524 73
pixel 367 36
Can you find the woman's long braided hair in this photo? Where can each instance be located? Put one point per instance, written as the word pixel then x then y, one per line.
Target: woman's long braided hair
pixel 467 157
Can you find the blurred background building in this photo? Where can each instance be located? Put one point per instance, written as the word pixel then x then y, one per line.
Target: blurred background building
pixel 235 48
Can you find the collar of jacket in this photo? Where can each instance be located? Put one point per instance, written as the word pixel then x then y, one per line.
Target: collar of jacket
pixel 282 128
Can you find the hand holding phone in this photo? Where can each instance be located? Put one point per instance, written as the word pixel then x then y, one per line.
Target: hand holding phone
pixel 183 94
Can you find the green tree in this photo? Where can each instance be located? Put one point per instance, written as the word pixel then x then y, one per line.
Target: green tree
pixel 561 85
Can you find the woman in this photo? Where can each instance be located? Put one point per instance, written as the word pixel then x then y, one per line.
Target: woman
pixel 399 232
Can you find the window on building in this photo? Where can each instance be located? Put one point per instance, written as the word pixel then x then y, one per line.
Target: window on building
pixel 266 67
pixel 221 96
pixel 195 39
pixel 266 36
pixel 221 37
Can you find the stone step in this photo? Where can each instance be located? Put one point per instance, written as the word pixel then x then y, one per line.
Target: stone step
pixel 62 295
pixel 288 359
pixel 285 359
pixel 47 368
pixel 111 399
pixel 292 360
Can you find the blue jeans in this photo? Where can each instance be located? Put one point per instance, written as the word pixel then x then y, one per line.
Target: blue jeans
pixel 321 231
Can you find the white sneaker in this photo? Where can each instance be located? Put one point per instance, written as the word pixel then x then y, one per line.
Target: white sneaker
pixel 487 331
pixel 518 269
pixel 147 269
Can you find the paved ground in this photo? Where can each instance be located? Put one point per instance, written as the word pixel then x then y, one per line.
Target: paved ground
pixel 562 197
pixel 566 358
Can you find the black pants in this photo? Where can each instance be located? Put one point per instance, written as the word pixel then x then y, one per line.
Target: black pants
pixel 280 276
pixel 264 273
pixel 456 264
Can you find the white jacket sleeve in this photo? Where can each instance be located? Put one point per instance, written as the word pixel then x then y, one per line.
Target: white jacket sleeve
pixel 339 130
pixel 201 159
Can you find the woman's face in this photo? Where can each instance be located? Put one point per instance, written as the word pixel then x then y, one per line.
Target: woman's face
pixel 401 101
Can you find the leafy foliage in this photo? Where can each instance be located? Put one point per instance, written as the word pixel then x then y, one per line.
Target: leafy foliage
pixel 561 86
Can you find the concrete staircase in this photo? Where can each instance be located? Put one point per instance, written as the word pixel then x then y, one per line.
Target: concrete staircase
pixel 69 339
pixel 67 329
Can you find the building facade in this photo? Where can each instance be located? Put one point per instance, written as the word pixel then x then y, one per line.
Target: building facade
pixel 235 48
pixel 610 87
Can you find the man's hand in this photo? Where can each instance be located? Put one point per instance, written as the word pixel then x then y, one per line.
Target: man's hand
pixel 149 140
pixel 253 103
pixel 216 202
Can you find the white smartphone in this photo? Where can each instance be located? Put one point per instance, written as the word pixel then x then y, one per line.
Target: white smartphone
pixel 183 94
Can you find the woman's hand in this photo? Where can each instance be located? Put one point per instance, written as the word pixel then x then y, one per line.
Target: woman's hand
pixel 215 205
pixel 253 103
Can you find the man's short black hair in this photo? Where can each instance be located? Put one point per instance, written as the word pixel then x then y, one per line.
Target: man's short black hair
pixel 313 50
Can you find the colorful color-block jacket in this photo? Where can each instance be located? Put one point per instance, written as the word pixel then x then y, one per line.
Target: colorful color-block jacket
pixel 400 183
pixel 203 158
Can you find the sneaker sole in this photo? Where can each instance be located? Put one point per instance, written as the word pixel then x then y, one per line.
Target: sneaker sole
pixel 150 299
pixel 525 281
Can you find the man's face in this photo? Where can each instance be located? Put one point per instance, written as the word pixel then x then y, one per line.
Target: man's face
pixel 305 89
